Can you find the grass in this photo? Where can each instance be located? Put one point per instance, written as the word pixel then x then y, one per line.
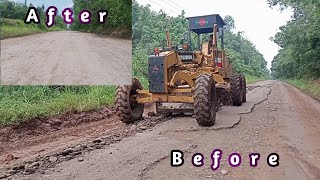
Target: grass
pixel 19 103
pixel 10 32
pixel 310 87
pixel 253 79
pixel 16 28
pixel 118 32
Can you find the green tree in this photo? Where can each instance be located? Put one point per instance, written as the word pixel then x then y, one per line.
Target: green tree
pixel 17 11
pixel 119 16
pixel 299 40
pixel 148 31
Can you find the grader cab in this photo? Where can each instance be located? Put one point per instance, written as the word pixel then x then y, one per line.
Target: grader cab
pixel 199 76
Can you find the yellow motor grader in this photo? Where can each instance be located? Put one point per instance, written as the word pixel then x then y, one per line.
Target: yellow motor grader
pixel 200 77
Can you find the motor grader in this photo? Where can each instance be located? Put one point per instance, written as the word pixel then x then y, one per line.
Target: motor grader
pixel 200 77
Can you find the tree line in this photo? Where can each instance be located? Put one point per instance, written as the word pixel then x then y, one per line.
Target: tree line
pixel 149 29
pixel 17 11
pixel 299 39
pixel 118 21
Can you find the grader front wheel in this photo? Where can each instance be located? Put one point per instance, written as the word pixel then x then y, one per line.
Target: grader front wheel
pixel 205 100
pixel 127 109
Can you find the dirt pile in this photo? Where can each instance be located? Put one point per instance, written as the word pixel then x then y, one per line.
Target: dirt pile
pixel 17 136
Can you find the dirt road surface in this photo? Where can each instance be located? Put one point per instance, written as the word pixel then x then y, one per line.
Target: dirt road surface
pixel 277 118
pixel 65 58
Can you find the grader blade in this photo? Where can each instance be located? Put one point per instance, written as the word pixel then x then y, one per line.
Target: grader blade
pixel 164 108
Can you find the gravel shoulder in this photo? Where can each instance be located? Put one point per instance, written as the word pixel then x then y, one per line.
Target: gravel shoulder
pixel 277 118
pixel 65 58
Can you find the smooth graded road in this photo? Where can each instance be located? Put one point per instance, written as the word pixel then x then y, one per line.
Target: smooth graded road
pixel 277 118
pixel 65 58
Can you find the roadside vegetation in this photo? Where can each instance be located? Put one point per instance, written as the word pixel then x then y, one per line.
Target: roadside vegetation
pixel 253 79
pixel 298 60
pixel 118 21
pixel 310 87
pixel 149 31
pixel 15 28
pixel 12 20
pixel 18 103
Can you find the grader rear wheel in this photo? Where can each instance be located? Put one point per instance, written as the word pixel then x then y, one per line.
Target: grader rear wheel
pixel 127 109
pixel 205 100
pixel 236 90
pixel 244 88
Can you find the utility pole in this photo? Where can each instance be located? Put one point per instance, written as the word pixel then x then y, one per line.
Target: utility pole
pixel 25 3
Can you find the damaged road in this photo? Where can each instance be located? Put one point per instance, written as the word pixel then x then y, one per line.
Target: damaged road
pixel 277 118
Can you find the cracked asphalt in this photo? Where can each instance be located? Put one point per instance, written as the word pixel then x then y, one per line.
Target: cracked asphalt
pixel 277 118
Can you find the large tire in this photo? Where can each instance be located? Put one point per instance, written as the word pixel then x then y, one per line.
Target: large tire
pixel 205 100
pixel 126 108
pixel 236 90
pixel 244 88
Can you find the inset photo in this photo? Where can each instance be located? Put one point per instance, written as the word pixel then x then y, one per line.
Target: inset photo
pixel 66 42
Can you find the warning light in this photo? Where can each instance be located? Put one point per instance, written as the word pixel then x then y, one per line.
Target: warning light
pixel 219 62
pixel 156 51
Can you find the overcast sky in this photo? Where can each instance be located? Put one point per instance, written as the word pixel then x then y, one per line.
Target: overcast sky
pixel 60 4
pixel 254 17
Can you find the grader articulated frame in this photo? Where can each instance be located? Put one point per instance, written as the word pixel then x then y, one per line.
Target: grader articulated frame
pixel 201 77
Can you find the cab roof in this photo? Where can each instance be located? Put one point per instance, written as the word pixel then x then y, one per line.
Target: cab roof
pixel 204 24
